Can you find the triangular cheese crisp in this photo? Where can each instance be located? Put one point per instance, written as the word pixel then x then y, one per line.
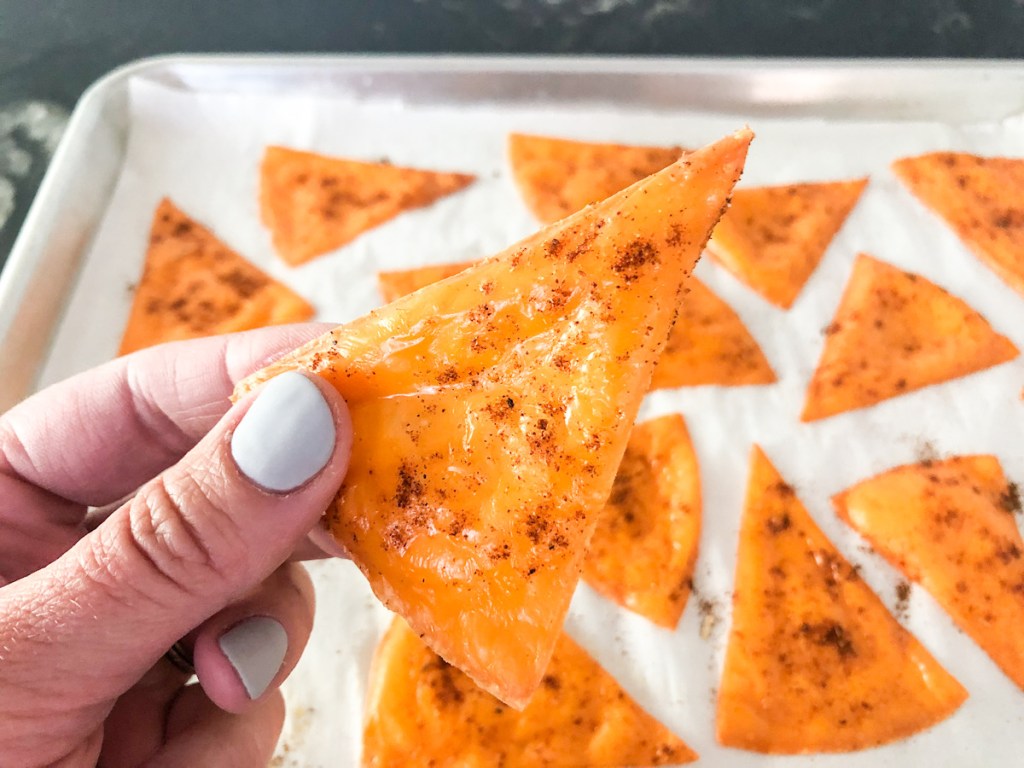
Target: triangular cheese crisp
pixel 950 526
pixel 313 204
pixel 815 662
pixel 645 546
pixel 981 198
pixel 772 238
pixel 396 284
pixel 710 345
pixel 895 332
pixel 422 712
pixel 193 285
pixel 491 410
pixel 557 177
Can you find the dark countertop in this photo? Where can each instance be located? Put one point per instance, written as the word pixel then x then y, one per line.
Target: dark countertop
pixel 51 50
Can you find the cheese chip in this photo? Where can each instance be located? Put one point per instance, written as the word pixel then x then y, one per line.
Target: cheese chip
pixel 313 204
pixel 193 285
pixel 950 526
pixel 645 546
pixel 709 344
pixel 423 712
pixel 815 662
pixel 895 332
pixel 981 198
pixel 490 412
pixel 772 238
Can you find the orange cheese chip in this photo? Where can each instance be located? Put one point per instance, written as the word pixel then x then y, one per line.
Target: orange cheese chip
pixel 193 285
pixel 313 204
pixel 981 198
pixel 815 663
pixel 424 712
pixel 895 332
pixel 709 345
pixel 949 525
pixel 394 285
pixel 772 238
pixel 643 552
pixel 491 410
pixel 557 177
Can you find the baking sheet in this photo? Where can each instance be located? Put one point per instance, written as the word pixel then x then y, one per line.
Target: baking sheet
pixel 203 150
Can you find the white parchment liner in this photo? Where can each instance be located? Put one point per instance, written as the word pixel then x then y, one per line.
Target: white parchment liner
pixel 203 150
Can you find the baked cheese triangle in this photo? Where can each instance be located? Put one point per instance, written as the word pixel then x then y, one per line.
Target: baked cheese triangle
pixel 645 546
pixel 949 525
pixel 981 198
pixel 491 410
pixel 709 344
pixel 815 662
pixel 772 238
pixel 422 711
pixel 895 332
pixel 313 204
pixel 193 285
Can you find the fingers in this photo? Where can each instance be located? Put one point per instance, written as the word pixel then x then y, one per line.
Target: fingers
pixel 98 436
pixel 250 647
pixel 195 539
pixel 135 727
pixel 199 733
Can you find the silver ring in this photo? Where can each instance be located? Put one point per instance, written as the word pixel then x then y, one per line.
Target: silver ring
pixel 181 659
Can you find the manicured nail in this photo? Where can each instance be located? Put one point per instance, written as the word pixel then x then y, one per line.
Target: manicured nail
pixel 287 436
pixel 256 649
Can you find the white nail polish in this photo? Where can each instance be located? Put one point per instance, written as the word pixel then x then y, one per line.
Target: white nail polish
pixel 256 650
pixel 287 436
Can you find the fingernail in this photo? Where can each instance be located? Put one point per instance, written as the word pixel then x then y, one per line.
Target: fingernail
pixel 256 649
pixel 287 436
pixel 325 540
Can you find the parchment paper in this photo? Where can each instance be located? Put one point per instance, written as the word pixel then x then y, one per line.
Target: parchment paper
pixel 203 150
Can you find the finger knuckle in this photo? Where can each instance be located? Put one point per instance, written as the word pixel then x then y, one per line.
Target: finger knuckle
pixel 186 538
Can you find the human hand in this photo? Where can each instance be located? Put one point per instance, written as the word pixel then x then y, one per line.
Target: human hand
pixel 220 500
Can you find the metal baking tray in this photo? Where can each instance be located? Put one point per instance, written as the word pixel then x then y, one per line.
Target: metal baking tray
pixel 67 209
pixel 62 224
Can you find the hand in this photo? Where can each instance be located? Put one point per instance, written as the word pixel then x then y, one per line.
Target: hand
pixel 220 499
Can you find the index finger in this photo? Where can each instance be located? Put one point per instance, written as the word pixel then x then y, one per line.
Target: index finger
pixel 99 435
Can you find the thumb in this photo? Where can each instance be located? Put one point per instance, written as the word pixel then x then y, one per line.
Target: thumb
pixel 188 543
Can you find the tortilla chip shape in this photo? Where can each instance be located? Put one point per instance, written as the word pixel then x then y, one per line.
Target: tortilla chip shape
pixel 421 712
pixel 313 204
pixel 772 238
pixel 193 285
pixel 815 662
pixel 981 198
pixel 709 344
pixel 557 177
pixel 645 546
pixel 949 525
pixel 400 282
pixel 895 332
pixel 491 411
